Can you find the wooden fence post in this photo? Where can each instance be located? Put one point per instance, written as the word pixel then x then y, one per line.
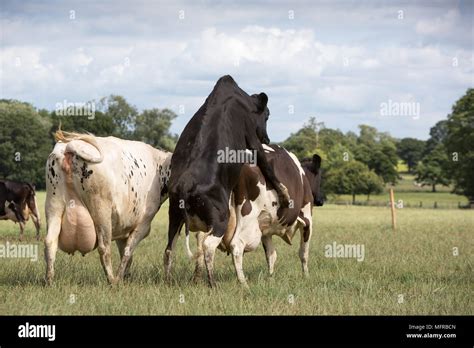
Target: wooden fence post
pixel 392 207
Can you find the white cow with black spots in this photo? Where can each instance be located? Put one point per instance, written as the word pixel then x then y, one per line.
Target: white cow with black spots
pixel 100 190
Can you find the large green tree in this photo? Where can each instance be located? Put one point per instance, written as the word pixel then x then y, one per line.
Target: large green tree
pixel 371 183
pixel 437 136
pixel 368 135
pixel 152 127
pixel 411 151
pixel 353 178
pixel 432 169
pixel 378 152
pixel 459 143
pixel 115 116
pixel 328 138
pixel 24 144
pixel 122 114
pixel 304 142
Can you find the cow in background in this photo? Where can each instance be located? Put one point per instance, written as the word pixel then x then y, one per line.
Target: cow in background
pixel 100 190
pixel 18 203
pixel 200 185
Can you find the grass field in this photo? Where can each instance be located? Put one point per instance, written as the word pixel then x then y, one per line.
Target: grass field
pixel 416 261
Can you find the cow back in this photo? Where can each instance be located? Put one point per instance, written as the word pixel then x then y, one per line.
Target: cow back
pixel 288 171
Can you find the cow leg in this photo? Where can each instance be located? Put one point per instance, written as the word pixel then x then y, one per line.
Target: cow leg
pixel 212 241
pixel 175 224
pixel 168 258
pixel 130 244
pixel 304 248
pixel 270 253
pixel 22 230
pixel 238 248
pixel 37 225
pixel 200 236
pixel 210 245
pixel 269 174
pixel 104 239
pixel 121 244
pixel 247 237
pixel 51 246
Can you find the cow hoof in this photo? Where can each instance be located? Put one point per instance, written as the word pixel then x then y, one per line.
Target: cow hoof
pixel 212 284
pixel 168 280
pixel 113 282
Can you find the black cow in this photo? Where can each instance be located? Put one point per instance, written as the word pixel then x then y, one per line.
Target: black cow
pixel 200 186
pixel 17 201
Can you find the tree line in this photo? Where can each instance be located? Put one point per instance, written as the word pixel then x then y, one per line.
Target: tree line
pixel 364 163
pixel 27 134
pixel 353 163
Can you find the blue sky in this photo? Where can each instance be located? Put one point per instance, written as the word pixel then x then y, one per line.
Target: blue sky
pixel 338 61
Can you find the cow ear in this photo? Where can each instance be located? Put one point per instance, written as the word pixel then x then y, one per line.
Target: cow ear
pixel 262 100
pixel 316 162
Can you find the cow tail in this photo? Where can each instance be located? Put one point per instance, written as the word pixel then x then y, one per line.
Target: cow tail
pixel 68 137
pixel 186 231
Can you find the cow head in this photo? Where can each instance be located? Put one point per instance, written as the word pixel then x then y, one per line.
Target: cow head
pixel 313 171
pixel 260 115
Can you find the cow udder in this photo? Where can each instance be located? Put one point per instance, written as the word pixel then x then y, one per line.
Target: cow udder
pixel 77 229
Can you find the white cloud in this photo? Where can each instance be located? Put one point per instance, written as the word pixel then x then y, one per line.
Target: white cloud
pixel 22 68
pixel 81 61
pixel 343 98
pixel 335 61
pixel 441 25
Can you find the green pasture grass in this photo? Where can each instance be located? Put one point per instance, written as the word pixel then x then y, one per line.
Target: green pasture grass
pixel 402 166
pixel 427 262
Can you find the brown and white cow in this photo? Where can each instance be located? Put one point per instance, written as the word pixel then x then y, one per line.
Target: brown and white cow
pixel 18 203
pixel 259 216
pixel 100 190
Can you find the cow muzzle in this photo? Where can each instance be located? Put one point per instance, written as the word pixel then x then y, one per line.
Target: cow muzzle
pixel 319 202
